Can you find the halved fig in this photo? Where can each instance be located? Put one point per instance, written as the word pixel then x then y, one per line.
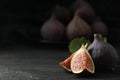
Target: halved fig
pixel 81 61
pixel 66 63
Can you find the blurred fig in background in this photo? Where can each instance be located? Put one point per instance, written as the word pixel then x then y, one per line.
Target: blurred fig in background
pixel 77 4
pixel 52 29
pixel 86 10
pixel 99 26
pixel 78 27
pixel 62 13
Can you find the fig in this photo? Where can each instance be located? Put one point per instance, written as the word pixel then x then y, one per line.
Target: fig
pixel 81 61
pixel 52 29
pixel 77 27
pixel 66 63
pixel 62 13
pixel 86 10
pixel 103 54
pixel 99 26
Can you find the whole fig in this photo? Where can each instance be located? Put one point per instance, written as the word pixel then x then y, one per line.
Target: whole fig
pixel 86 10
pixel 104 54
pixel 52 29
pixel 77 27
pixel 99 26
pixel 62 13
pixel 77 4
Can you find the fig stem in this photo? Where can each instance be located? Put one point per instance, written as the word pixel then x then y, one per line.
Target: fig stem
pixel 96 36
pixel 86 45
pixel 99 36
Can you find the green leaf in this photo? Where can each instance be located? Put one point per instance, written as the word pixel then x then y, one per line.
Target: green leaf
pixel 76 43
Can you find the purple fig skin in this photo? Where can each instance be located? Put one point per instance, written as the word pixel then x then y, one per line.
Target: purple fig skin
pixel 52 30
pixel 77 4
pixel 104 54
pixel 77 27
pixel 62 14
pixel 86 10
pixel 99 26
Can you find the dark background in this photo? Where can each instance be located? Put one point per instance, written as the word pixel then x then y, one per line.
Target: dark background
pixel 20 23
pixel 21 20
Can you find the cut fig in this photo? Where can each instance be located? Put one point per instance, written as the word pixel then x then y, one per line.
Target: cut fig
pixel 66 63
pixel 81 61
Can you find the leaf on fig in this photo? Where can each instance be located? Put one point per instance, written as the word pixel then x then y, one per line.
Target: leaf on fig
pixel 76 43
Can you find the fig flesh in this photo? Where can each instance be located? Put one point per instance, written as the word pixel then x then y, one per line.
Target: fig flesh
pixel 103 54
pixel 81 61
pixel 66 63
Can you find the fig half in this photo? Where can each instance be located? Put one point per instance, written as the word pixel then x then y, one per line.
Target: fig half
pixel 66 63
pixel 81 61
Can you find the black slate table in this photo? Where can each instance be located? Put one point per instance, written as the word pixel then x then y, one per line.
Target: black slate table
pixel 38 63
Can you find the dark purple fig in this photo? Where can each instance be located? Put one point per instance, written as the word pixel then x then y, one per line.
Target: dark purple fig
pixel 77 4
pixel 99 26
pixel 52 29
pixel 77 27
pixel 86 10
pixel 104 54
pixel 62 13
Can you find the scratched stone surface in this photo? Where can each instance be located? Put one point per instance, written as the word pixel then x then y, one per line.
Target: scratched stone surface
pixel 37 63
